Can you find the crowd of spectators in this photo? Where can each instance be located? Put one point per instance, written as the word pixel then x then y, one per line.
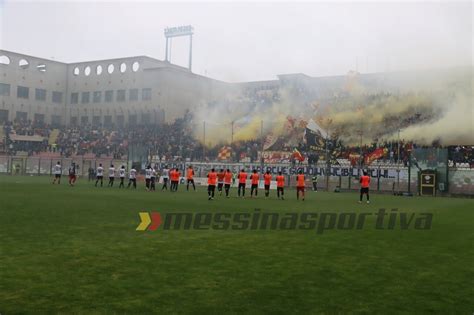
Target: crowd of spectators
pixel 175 142
pixel 25 129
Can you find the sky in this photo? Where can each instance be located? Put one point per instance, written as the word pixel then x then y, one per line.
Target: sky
pixel 248 41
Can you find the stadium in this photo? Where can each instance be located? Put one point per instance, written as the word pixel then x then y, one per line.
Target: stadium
pixel 136 185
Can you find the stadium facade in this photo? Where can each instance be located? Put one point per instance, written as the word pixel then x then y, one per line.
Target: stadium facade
pixel 133 90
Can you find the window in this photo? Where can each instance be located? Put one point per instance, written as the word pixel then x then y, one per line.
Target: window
pixel 55 120
pixel 107 120
pixel 41 67
pixel 24 64
pixel 23 92
pixel 40 94
pixel 97 97
pixel 57 97
pixel 76 71
pixel 3 116
pixel 96 120
pixel 39 118
pixel 146 94
pixel 120 120
pixel 109 96
pixel 123 67
pixel 4 60
pixel 135 66
pixel 145 118
pixel 132 120
pixel 84 120
pixel 74 98
pixel 110 69
pixel 85 97
pixel 133 95
pixel 98 70
pixel 4 89
pixel 87 71
pixel 121 96
pixel 21 116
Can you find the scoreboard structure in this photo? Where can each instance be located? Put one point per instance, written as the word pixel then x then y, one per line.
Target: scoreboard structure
pixel 427 180
pixel 178 31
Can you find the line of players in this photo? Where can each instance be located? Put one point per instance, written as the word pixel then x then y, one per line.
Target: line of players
pixel 224 180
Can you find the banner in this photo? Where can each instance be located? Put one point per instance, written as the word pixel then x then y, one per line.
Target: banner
pixel 275 156
pixel 375 155
pixel 334 170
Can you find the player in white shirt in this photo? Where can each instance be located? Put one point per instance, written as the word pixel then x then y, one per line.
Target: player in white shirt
pixel 57 170
pixel 111 175
pixel 122 176
pixel 132 179
pixel 99 173
pixel 148 172
pixel 165 173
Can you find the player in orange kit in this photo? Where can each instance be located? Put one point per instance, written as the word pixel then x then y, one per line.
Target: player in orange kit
pixel 220 181
pixel 300 185
pixel 211 184
pixel 242 180
pixel 227 182
pixel 267 179
pixel 280 185
pixel 364 186
pixel 174 176
pixel 255 177
pixel 190 178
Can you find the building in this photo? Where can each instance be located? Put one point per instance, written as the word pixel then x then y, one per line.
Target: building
pixel 134 90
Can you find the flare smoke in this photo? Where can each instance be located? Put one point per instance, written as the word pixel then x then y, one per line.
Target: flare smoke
pixel 423 106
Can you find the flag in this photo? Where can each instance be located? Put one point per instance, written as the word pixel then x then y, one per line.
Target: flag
pixel 224 153
pixel 314 141
pixel 315 137
pixel 314 126
pixel 297 155
pixel 270 140
pixel 374 155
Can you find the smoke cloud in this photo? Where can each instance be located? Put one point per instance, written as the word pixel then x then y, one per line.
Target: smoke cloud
pixel 423 106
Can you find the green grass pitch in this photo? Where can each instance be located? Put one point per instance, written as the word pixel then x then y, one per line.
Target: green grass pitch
pixel 75 250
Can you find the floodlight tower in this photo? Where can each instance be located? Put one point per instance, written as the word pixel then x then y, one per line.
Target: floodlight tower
pixel 171 32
